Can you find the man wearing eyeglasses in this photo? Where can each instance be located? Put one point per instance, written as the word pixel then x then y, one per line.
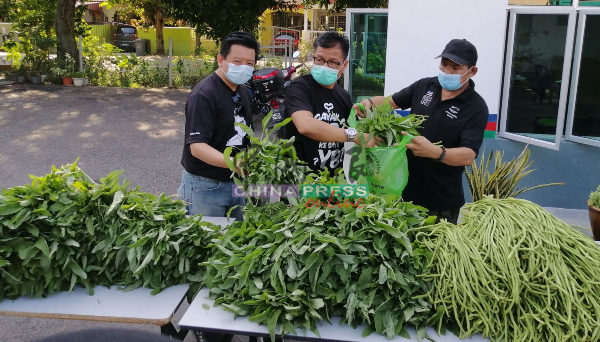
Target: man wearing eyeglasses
pixel 319 107
pixel 212 109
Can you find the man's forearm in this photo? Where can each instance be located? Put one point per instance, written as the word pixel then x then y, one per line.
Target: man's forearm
pixel 459 156
pixel 322 131
pixel 316 129
pixel 208 155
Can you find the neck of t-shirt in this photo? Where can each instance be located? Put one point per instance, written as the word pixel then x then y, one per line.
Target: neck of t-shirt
pixel 455 93
pixel 222 76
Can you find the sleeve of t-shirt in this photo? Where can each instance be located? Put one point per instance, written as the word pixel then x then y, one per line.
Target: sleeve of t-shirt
pixel 297 98
pixel 472 134
pixel 200 118
pixel 403 99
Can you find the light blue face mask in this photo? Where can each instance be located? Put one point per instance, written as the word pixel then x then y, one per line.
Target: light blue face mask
pixel 239 74
pixel 324 75
pixel 452 81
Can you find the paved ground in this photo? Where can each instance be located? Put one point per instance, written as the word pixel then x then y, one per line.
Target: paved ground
pixel 137 130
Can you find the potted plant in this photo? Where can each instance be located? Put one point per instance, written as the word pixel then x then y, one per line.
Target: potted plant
pixel 35 77
pixel 64 74
pixel 21 74
pixel 78 78
pixel 594 204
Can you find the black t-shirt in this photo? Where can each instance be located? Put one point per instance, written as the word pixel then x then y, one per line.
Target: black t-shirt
pixel 328 105
pixel 211 110
pixel 457 122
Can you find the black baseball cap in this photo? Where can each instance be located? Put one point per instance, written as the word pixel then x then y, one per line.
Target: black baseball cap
pixel 460 51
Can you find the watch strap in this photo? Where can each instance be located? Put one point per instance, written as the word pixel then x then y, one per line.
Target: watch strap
pixel 441 157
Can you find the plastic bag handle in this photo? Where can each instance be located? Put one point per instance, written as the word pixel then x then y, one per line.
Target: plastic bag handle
pixel 352 117
pixel 407 138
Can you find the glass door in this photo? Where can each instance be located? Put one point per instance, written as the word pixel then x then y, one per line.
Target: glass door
pixel 537 69
pixel 583 118
pixel 367 31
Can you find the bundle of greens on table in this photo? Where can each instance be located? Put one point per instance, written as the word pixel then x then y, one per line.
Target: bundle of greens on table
pixel 382 122
pixel 64 230
pixel 293 266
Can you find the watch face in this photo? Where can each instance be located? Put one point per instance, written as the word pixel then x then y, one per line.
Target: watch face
pixel 351 131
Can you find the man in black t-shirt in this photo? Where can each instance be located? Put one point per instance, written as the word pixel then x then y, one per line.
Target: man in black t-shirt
pixel 457 116
pixel 319 107
pixel 212 109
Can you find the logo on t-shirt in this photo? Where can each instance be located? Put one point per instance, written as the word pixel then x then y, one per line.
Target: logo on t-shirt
pixel 330 154
pixel 426 100
pixel 452 111
pixel 238 138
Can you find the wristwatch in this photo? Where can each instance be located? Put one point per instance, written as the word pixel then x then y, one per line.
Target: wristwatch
pixel 350 133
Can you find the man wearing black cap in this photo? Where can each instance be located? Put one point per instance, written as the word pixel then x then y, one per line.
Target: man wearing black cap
pixel 457 117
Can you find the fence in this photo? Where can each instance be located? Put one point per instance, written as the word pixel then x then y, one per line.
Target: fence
pixel 314 34
pixel 126 57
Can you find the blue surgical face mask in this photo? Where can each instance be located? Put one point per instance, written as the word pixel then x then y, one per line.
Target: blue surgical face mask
pixel 452 81
pixel 324 75
pixel 239 74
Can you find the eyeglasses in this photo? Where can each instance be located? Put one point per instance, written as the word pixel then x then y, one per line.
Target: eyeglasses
pixel 331 64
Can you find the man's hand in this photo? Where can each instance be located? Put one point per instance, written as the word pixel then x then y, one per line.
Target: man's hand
pixel 239 169
pixel 373 142
pixel 359 110
pixel 422 147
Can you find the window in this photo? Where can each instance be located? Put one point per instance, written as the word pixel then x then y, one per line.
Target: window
pixel 288 20
pixel 367 32
pixel 583 124
pixel 537 71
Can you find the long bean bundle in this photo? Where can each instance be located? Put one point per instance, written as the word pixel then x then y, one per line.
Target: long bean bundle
pixel 513 272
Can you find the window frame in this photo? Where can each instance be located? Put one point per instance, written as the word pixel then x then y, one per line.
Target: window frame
pixel 579 40
pixel 514 11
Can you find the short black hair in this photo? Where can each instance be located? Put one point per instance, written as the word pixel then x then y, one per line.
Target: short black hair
pixel 244 39
pixel 332 39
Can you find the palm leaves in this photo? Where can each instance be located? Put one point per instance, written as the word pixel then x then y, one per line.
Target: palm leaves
pixel 502 183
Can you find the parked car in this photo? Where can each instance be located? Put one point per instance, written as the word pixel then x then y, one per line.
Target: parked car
pixel 283 38
pixel 124 37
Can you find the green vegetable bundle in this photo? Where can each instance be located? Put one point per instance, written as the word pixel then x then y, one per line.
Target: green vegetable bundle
pixel 382 122
pixel 513 272
pixel 293 266
pixel 65 230
pixel 266 161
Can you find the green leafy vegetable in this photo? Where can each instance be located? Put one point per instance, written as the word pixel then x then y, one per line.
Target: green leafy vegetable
pixel 64 230
pixel 292 266
pixel 382 122
pixel 266 161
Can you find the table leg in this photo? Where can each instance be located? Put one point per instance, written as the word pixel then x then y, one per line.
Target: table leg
pixel 169 329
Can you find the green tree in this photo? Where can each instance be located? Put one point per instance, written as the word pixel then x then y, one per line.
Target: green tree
pixel 150 11
pixel 33 23
pixel 217 18
pixel 7 10
pixel 341 5
pixel 65 28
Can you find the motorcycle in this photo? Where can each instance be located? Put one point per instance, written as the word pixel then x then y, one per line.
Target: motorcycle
pixel 267 91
